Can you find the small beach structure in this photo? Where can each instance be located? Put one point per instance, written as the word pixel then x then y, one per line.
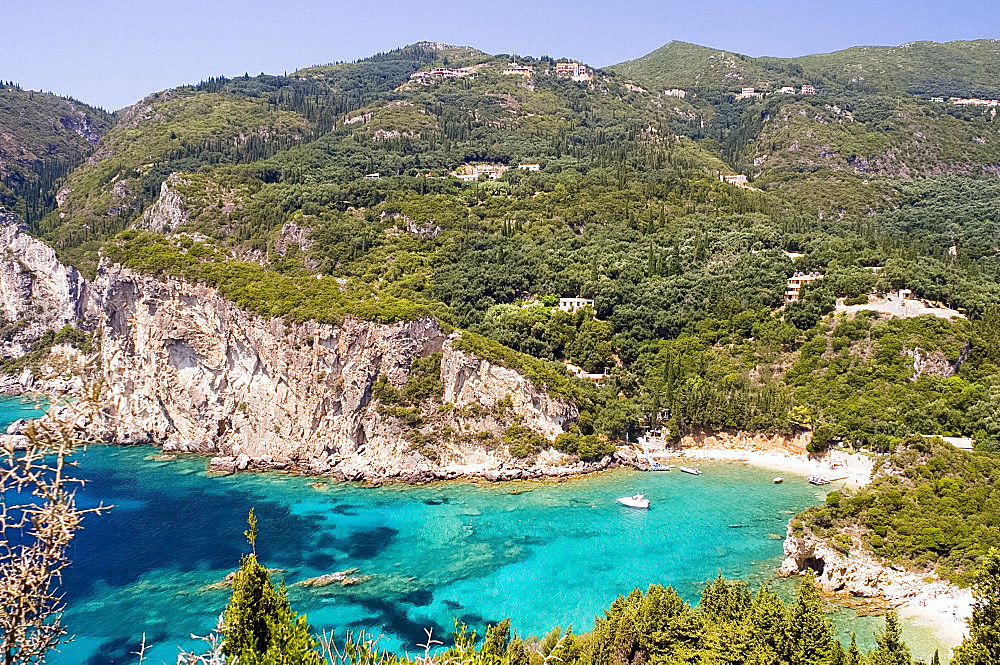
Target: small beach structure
pixel 649 458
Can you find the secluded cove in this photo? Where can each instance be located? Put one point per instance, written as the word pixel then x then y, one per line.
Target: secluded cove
pixel 544 554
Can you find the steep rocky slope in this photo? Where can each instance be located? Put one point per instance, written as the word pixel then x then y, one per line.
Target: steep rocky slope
pixel 37 292
pixel 186 369
pixel 182 367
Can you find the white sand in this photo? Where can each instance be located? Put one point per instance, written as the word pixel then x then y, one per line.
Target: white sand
pixel 850 469
pixel 943 608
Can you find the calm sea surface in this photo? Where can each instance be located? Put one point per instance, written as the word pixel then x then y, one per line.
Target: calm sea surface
pixel 543 554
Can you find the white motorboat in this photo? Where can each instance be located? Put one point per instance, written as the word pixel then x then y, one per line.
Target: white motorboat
pixel 637 501
pixel 819 480
pixel 779 480
pixel 692 471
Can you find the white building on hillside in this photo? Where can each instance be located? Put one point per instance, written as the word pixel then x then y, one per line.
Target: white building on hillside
pixel 797 281
pixel 573 304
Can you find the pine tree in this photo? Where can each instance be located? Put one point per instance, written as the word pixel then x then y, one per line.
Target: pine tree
pixel 982 646
pixel 890 649
pixel 811 631
pixel 854 655
pixel 768 629
pixel 259 626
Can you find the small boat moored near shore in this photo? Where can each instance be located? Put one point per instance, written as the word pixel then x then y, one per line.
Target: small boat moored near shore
pixel 819 480
pixel 691 470
pixel 637 501
pixel 779 480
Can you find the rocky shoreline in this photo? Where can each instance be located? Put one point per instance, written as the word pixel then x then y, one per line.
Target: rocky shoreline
pixel 858 574
pixel 542 470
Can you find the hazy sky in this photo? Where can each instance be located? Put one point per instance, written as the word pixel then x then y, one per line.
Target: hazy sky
pixel 113 52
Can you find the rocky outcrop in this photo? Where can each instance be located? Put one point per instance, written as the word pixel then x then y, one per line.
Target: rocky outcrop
pixel 186 369
pixel 857 572
pixel 37 290
pixel 935 362
pixel 167 212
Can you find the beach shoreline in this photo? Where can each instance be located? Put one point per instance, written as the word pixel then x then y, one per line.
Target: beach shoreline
pixel 938 606
pixel 850 469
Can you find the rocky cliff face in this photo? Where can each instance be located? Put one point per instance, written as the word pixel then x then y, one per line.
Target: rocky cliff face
pixel 167 212
pixel 859 573
pixel 36 290
pixel 186 369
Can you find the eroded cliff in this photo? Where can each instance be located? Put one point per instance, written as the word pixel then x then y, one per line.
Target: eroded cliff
pixel 187 369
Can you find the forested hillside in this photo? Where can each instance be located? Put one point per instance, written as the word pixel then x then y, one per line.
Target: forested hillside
pixel 607 188
pixel 42 138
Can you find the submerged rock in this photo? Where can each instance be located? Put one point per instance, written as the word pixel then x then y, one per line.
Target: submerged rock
pixel 342 577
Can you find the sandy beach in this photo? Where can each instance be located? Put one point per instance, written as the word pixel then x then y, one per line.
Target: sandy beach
pixel 942 609
pixel 939 607
pixel 850 469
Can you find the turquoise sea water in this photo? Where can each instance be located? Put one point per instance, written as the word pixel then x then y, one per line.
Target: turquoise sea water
pixel 543 554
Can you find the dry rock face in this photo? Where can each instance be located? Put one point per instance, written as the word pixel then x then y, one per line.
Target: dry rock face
pixel 186 369
pixel 35 288
pixel 857 573
pixel 791 444
pixel 167 212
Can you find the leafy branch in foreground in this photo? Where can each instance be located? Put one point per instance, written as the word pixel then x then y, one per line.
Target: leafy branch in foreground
pixel 38 519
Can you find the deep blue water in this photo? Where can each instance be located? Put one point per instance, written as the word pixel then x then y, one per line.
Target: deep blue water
pixel 543 554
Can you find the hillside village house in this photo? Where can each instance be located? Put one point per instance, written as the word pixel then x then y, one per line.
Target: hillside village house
pixel 530 167
pixel 787 90
pixel 675 92
pixel 578 372
pixel 572 304
pixel 737 179
pixel 797 281
pixel 440 73
pixel 749 93
pixel 973 101
pixel 574 70
pixel 808 90
pixel 515 69
pixel 471 172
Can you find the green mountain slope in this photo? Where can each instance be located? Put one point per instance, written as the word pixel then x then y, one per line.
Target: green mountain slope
pixel 961 68
pixel 259 184
pixel 969 68
pixel 42 137
pixel 687 66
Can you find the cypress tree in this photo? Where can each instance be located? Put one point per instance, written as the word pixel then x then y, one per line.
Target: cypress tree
pixel 982 646
pixel 890 649
pixel 259 626
pixel 854 655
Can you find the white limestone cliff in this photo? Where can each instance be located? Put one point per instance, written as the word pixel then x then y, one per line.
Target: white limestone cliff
pixel 187 369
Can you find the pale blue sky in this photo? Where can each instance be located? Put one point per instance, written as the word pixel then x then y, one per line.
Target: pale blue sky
pixel 113 52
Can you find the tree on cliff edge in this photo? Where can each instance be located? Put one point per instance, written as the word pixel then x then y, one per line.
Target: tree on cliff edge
pixel 259 626
pixel 982 646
